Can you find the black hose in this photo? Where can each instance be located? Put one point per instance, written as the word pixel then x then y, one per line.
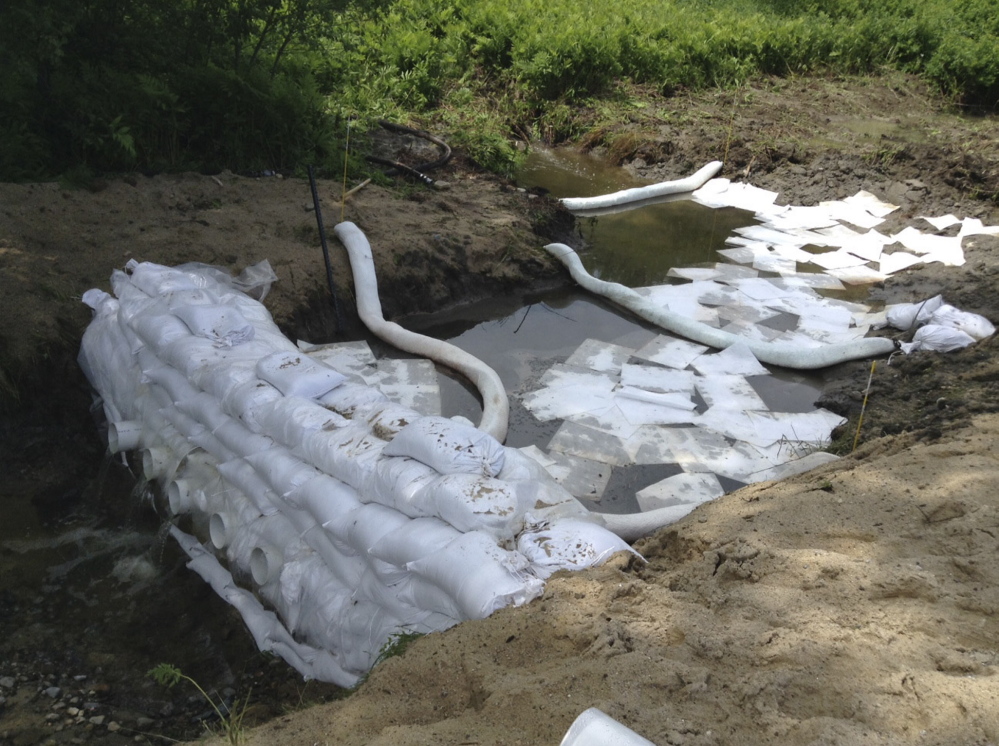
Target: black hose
pixel 401 167
pixel 423 167
pixel 417 172
pixel 326 251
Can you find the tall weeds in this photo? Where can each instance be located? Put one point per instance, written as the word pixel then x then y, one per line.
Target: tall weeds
pixel 253 84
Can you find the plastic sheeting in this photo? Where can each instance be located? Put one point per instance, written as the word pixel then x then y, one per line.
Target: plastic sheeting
pixel 346 517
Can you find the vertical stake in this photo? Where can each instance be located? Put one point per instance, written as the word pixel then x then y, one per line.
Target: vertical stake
pixel 860 420
pixel 326 251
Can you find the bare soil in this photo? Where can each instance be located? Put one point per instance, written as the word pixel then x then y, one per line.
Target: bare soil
pixel 853 604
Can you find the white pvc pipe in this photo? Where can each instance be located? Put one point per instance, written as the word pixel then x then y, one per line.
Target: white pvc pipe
pixel 495 405
pixel 638 194
pixel 220 530
pixel 783 354
pixel 265 563
pixel 594 728
pixel 125 435
pixel 180 496
pixel 158 461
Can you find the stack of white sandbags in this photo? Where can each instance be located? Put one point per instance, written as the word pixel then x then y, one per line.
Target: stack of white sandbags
pixel 940 327
pixel 352 517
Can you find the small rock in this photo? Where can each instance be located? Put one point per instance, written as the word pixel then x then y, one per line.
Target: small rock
pixel 7 682
pixel 53 692
pixel 114 727
pixel 73 711
pixel 97 720
pixel 143 723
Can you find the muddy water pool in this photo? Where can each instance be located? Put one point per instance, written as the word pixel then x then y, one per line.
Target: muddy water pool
pixel 521 337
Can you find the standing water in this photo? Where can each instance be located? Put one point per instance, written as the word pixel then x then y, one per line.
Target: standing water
pixel 522 337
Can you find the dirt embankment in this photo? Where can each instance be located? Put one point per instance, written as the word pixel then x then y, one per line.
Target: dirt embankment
pixel 854 604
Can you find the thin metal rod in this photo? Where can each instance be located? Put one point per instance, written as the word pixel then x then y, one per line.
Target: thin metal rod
pixel 326 250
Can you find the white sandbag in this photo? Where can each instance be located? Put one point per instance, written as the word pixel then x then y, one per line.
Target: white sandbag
pixel 546 497
pixel 396 479
pixel 291 420
pixel 348 567
pixel 225 326
pixel 170 379
pixel 938 339
pixel 107 361
pixel 296 374
pixel 238 438
pixel 188 355
pixel 972 324
pixel 308 590
pixel 388 418
pixel 240 474
pixel 449 447
pixel 302 582
pixel 569 544
pixel 907 316
pixel 479 575
pixel 160 329
pixel 198 434
pixel 390 594
pixel 413 541
pixel 420 593
pixel 155 279
pixel 472 502
pixel 283 472
pixel 348 397
pixel 245 399
pixel 328 500
pixel 350 454
pixel 371 522
pixel 205 409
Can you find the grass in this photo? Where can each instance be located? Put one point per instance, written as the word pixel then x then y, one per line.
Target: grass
pixel 230 718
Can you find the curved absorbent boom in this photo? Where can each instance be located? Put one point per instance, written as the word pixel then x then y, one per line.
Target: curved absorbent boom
pixel 495 405
pixel 663 189
pixel 776 353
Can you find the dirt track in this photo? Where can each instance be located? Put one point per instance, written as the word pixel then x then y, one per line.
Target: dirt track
pixel 852 604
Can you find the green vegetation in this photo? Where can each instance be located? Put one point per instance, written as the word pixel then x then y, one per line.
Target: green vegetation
pixel 230 717
pixel 104 85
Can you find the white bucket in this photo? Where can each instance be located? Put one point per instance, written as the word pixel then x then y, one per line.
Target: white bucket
pixel 594 728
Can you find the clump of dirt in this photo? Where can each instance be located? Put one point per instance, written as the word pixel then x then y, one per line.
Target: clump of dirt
pixel 854 603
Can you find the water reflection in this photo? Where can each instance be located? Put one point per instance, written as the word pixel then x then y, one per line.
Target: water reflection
pixel 635 247
pixel 521 337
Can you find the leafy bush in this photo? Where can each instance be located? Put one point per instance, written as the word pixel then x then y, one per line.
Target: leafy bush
pixel 271 83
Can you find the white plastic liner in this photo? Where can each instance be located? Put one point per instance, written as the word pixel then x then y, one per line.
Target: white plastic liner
pixel 347 517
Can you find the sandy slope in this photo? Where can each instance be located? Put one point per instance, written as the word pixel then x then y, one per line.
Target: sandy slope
pixel 854 604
